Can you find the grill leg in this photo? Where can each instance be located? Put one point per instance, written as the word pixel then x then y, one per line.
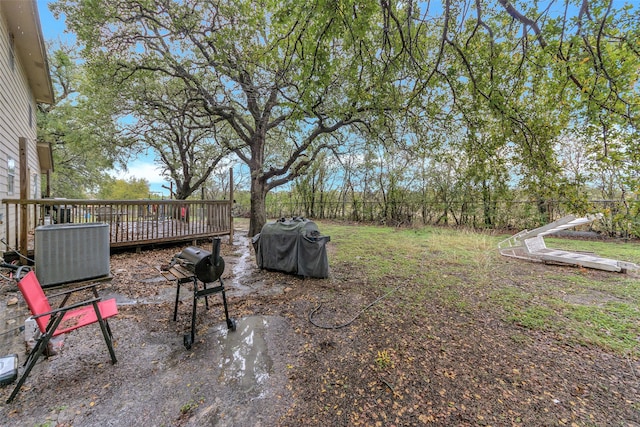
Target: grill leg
pixel 231 324
pixel 175 308
pixel 206 297
pixel 193 314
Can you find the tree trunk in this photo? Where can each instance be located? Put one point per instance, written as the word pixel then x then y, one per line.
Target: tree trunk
pixel 486 204
pixel 258 213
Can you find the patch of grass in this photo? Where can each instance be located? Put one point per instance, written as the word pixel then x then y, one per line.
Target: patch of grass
pixel 520 338
pixel 535 317
pixel 383 359
pixel 614 326
pixel 517 305
pixel 589 321
pixel 451 297
pixel 617 285
pixel 404 253
pixel 510 298
pixel 188 407
pixel 381 251
pixel 462 270
pixel 624 251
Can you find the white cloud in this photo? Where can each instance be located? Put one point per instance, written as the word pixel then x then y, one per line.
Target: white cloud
pixel 147 170
pixel 138 169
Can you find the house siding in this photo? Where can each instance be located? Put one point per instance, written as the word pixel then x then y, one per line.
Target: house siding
pixel 16 101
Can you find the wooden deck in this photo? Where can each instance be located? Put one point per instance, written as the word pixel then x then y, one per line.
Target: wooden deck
pixel 132 223
pixel 142 232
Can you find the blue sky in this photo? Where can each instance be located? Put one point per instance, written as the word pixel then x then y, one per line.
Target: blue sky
pixel 143 167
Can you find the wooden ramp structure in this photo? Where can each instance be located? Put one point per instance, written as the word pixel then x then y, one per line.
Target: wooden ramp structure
pixel 530 245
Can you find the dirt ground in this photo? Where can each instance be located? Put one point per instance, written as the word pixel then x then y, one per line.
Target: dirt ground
pixel 290 364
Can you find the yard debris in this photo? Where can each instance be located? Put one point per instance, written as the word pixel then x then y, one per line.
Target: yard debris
pixel 530 245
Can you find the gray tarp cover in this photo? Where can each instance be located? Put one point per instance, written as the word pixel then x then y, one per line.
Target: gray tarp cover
pixel 293 246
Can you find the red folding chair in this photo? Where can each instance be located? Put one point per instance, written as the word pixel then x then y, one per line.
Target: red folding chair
pixel 54 322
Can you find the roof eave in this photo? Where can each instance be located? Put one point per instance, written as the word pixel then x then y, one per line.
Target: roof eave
pixel 23 21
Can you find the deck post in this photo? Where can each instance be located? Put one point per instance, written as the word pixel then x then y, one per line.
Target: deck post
pixel 231 206
pixel 24 195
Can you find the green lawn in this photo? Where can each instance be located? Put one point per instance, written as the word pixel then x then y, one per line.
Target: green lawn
pixel 464 270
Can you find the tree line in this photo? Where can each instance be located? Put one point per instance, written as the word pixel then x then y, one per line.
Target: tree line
pixel 408 192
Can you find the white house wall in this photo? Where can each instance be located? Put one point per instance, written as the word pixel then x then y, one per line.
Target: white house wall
pixel 17 119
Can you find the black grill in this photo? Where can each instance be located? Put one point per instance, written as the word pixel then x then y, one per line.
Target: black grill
pixel 193 265
pixel 205 265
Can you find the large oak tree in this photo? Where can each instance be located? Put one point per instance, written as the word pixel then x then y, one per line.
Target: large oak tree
pixel 279 75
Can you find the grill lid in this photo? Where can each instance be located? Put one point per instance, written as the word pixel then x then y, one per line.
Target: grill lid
pixel 207 266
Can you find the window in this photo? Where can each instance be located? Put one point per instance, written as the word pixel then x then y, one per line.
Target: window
pixel 34 186
pixel 11 175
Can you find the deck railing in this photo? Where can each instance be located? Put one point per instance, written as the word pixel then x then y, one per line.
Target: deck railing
pixel 132 223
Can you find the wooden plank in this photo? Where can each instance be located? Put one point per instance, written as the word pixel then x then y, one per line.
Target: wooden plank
pixel 177 272
pixel 563 223
pixel 580 260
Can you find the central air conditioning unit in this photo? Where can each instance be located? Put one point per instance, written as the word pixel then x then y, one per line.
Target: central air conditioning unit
pixel 66 253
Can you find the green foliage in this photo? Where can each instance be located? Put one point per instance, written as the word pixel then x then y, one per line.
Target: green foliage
pixel 383 359
pixel 536 317
pixel 467 106
pixel 274 77
pixel 120 189
pixel 80 127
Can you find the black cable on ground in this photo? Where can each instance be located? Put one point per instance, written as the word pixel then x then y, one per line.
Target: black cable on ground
pixel 355 317
pixel 4 242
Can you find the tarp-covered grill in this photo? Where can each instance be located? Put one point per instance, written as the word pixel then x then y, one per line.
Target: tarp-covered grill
pixel 293 246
